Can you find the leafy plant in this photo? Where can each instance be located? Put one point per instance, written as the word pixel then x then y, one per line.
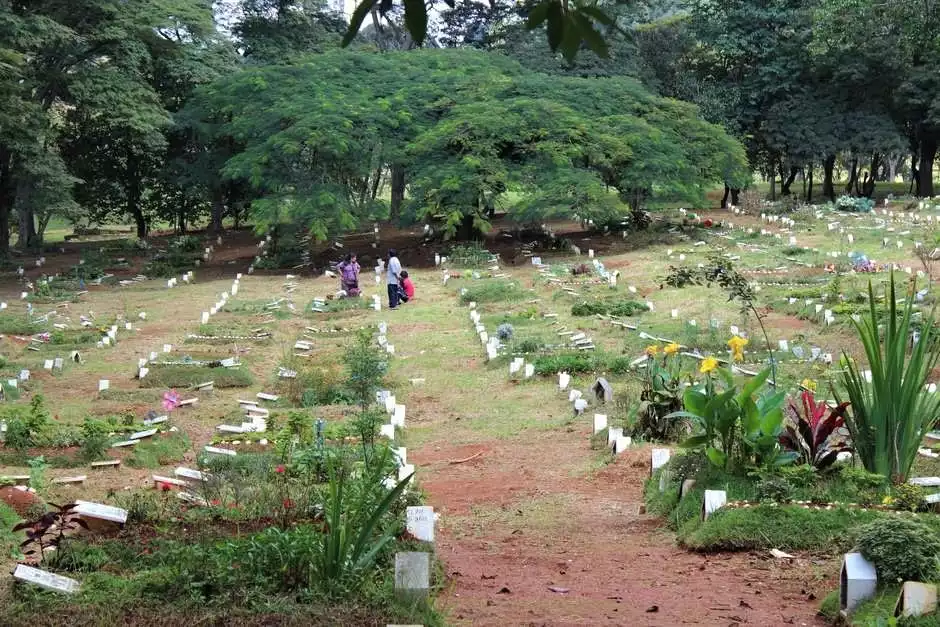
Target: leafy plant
pixel 661 398
pixel 366 366
pixel 908 497
pixel 774 489
pixel 48 530
pixel 892 413
pixel 504 332
pixel 737 429
pixel 900 549
pixel 811 430
pixel 95 439
pixel 354 534
pixel 491 291
pixel 566 362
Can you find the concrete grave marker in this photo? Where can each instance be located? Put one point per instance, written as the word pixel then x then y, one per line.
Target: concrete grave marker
pixel 106 463
pixel 47 365
pixel 264 396
pixel 574 395
pixel 143 434
pixel 87 509
pixel 398 417
pixel 215 450
pixel 600 422
pixel 621 444
pixel 612 434
pixel 420 522
pixel 603 391
pixel 45 579
pixel 167 348
pixel 916 599
pixel 190 474
pixel 405 471
pixel 580 405
pixel 68 480
pixel 103 385
pixel 208 386
pixel 387 431
pixel 858 582
pixel 529 371
pixel 659 458
pixel 412 574
pixel 686 486
pixel 563 380
pixel 24 375
pixel 713 501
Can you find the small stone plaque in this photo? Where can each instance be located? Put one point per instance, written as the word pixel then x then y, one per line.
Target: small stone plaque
pixel 87 509
pixel 412 574
pixel 420 522
pixel 45 579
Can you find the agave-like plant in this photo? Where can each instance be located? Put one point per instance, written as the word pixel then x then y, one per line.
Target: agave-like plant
pixel 812 429
pixel 891 407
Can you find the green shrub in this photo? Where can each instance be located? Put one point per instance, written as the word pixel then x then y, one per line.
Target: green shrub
pixel 565 362
pixel 189 376
pixel 862 479
pixel 95 439
pixel 490 291
pixel 470 255
pixel 774 489
pixel 900 549
pixel 612 308
pixel 909 498
pixel 159 450
pixel 366 367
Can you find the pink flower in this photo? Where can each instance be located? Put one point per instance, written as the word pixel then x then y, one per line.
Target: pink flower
pixel 280 469
pixel 171 400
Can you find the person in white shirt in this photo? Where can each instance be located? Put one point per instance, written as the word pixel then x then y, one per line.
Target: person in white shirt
pixel 393 278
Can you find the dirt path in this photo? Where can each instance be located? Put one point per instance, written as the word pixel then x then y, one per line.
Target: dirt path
pixel 537 530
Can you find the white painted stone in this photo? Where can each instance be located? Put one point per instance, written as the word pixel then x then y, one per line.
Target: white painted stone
pixel 612 434
pixel 659 458
pixel 412 574
pixel 621 444
pixel 600 422
pixel 103 385
pixel 916 599
pixel 215 450
pixel 563 380
pixel 387 431
pixel 714 500
pixel 143 434
pixel 398 417
pixel 858 582
pixel 419 521
pixel 45 579
pixel 87 509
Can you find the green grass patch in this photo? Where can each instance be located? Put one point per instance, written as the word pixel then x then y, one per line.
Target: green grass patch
pixel 491 291
pixel 189 376
pixel 618 308
pixel 159 450
pixel 14 324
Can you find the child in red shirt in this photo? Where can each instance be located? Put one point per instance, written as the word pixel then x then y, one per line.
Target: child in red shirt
pixel 407 285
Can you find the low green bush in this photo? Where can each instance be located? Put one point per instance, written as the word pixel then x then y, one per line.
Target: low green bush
pixel 565 362
pixel 612 308
pixel 901 549
pixel 162 449
pixel 189 376
pixel 491 291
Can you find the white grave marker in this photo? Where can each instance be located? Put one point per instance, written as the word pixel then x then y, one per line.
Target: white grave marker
pixel 858 581
pixel 44 579
pixel 420 522
pixel 600 422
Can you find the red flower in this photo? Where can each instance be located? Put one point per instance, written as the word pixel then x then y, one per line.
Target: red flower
pixel 280 469
pixel 707 223
pixel 288 503
pixel 164 486
pixel 215 502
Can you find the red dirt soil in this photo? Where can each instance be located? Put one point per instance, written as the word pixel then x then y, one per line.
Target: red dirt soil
pixel 619 567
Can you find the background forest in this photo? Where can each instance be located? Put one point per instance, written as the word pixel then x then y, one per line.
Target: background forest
pixel 190 112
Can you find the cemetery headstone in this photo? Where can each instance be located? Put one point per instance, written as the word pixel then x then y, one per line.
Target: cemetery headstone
pixel 916 599
pixel 603 391
pixel 858 581
pixel 412 574
pixel 713 501
pixel 45 579
pixel 420 522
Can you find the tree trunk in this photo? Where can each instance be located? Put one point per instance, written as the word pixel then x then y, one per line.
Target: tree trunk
pixel 7 196
pixel 773 182
pixel 853 177
pixel 928 152
pixel 868 187
pixel 133 193
pixel 829 164
pixel 27 227
pixel 724 199
pixel 735 193
pixel 218 206
pixel 398 191
pixel 809 184
pixel 786 182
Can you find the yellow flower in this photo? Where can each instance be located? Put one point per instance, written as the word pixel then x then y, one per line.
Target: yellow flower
pixel 809 384
pixel 671 349
pixel 708 364
pixel 737 344
pixel 889 501
pixel 651 350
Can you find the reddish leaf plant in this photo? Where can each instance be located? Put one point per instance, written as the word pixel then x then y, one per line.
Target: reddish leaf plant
pixel 815 431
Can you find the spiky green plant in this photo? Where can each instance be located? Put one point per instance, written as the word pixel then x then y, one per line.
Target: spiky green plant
pixel 891 413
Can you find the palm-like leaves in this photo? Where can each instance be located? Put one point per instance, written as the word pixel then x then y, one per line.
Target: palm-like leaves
pixel 892 412
pixel 811 430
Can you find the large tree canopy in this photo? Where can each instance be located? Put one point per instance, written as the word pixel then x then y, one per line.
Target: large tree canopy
pixel 469 131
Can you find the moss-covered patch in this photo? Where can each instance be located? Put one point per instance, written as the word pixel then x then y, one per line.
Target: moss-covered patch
pixel 189 376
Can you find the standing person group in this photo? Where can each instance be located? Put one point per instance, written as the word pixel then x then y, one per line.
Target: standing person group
pixel 400 287
pixel 349 275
